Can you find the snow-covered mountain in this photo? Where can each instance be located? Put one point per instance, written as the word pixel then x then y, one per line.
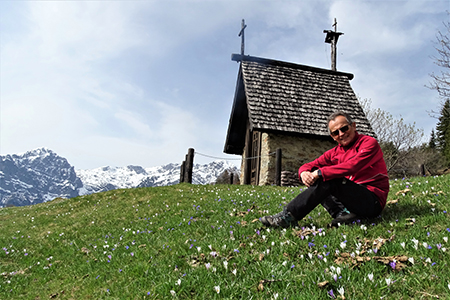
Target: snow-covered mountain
pixel 109 178
pixel 41 175
pixel 36 176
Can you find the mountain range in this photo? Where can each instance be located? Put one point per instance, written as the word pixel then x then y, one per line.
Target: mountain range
pixel 41 175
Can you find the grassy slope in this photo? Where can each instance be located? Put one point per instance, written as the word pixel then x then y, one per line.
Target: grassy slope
pixel 189 241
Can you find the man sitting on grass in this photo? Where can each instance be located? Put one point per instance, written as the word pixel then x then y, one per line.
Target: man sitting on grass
pixel 349 180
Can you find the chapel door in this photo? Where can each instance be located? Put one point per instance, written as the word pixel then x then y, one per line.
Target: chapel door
pixel 255 158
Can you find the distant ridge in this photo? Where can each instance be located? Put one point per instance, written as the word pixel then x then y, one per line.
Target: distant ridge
pixel 36 176
pixel 41 175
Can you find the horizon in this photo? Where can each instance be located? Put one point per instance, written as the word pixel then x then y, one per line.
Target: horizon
pixel 118 167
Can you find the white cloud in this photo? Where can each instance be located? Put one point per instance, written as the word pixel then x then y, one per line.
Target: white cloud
pixel 375 28
pixel 150 144
pixel 132 120
pixel 82 31
pixel 52 86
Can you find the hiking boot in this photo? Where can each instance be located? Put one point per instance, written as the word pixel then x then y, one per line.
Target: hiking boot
pixel 282 219
pixel 344 217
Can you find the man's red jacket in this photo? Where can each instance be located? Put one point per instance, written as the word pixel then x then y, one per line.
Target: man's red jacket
pixel 361 162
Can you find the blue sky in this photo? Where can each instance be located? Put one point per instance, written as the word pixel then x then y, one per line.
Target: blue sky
pixel 139 82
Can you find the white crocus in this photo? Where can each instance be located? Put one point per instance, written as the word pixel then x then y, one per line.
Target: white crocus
pixel 217 289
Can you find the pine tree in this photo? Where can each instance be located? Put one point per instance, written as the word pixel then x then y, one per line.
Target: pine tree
pixel 443 130
pixel 432 143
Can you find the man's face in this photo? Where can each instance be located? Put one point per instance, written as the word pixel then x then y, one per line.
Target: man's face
pixel 337 126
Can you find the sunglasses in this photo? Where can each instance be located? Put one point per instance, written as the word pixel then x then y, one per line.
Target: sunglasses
pixel 342 129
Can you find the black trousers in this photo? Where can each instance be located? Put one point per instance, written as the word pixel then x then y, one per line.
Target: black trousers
pixel 335 195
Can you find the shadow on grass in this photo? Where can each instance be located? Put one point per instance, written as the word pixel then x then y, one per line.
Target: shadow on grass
pixel 396 212
pixel 392 212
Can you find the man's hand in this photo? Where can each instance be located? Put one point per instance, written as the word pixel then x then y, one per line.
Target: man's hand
pixel 308 178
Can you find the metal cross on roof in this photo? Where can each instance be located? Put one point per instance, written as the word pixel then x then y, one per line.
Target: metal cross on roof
pixel 241 34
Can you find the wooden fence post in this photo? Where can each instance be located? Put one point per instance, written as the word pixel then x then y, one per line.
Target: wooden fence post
pixel 185 168
pixel 422 170
pixel 278 167
pixel 182 171
pixel 189 165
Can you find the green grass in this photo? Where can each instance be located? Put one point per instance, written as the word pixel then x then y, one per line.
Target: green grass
pixel 188 241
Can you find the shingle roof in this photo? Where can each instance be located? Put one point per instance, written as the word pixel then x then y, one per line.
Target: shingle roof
pixel 291 98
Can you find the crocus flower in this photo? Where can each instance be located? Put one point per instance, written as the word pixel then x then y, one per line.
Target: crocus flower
pixel 392 264
pixel 217 289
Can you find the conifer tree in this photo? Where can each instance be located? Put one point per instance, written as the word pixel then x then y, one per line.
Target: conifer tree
pixel 443 130
pixel 432 143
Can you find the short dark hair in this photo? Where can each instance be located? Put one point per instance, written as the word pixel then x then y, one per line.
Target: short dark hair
pixel 336 114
